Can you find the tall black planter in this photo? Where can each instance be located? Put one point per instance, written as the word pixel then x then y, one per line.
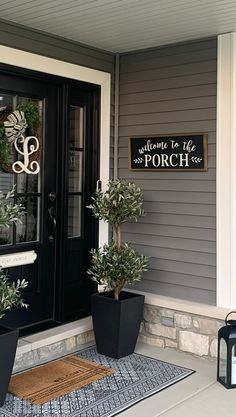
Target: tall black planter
pixel 116 323
pixel 8 344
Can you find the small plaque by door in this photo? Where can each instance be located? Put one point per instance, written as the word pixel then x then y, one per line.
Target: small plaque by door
pixel 18 259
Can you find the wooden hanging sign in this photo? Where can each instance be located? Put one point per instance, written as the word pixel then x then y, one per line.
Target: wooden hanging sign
pixel 168 153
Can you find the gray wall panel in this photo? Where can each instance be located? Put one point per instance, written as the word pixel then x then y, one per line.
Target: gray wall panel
pixel 163 91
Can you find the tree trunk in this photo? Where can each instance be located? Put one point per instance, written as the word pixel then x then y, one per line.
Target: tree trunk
pixel 116 294
pixel 118 245
pixel 118 236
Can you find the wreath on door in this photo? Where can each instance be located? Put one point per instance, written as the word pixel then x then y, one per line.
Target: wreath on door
pixel 16 128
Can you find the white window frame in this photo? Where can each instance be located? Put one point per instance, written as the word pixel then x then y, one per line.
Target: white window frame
pixel 226 171
pixel 35 62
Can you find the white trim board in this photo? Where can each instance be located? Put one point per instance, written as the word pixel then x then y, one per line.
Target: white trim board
pixel 226 171
pixel 28 60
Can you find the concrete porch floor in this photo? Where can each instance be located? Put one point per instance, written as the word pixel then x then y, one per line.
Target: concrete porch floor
pixel 196 396
pixel 199 395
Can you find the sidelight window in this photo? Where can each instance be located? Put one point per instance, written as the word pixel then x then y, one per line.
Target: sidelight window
pixel 75 170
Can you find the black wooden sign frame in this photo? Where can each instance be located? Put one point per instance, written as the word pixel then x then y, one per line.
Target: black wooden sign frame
pixel 187 152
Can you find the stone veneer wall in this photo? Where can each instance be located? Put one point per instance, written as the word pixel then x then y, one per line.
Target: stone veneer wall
pixel 49 352
pixel 184 331
pixel 161 327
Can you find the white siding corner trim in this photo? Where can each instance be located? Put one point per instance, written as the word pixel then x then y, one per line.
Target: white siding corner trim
pixel 28 60
pixel 226 171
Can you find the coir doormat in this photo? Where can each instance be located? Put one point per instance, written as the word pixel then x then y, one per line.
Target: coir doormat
pixel 57 378
pixel 136 377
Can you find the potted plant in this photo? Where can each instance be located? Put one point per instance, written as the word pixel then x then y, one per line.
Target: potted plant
pixel 10 296
pixel 117 314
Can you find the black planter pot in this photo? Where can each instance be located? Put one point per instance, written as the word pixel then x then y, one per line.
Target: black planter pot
pixel 116 323
pixel 8 344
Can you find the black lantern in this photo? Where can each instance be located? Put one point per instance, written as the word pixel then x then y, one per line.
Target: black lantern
pixel 226 361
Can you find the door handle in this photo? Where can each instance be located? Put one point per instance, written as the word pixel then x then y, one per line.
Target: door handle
pixel 52 196
pixel 52 215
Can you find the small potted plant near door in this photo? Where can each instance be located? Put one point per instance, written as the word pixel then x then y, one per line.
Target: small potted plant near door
pixel 10 296
pixel 117 314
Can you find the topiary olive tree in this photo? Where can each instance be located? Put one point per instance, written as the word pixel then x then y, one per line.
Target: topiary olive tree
pixel 117 263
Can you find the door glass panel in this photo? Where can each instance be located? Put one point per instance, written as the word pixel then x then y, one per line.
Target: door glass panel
pixel 7 103
pixel 6 182
pixel 76 127
pixel 75 171
pixel 28 184
pixel 74 216
pixel 28 230
pixel 6 236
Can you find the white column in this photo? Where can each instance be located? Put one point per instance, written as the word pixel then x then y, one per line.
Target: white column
pixel 226 171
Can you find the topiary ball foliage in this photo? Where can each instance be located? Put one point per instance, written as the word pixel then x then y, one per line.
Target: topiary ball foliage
pixel 114 268
pixel 122 201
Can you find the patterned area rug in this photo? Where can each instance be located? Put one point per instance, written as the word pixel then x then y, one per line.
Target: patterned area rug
pixel 136 377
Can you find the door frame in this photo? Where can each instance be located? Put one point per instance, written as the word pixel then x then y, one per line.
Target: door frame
pixel 35 62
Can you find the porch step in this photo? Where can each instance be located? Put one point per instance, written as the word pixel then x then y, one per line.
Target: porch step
pixel 53 343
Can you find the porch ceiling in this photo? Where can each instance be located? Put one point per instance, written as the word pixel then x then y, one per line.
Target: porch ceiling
pixel 124 25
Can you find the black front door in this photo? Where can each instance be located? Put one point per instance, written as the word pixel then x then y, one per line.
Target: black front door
pixel 54 183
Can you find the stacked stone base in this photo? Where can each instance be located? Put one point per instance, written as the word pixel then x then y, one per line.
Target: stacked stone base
pixel 183 331
pixel 161 327
pixel 56 350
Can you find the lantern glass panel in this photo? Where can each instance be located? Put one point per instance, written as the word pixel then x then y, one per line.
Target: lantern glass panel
pixel 223 361
pixel 233 365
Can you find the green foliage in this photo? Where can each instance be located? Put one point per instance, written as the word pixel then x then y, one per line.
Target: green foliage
pixel 10 294
pixel 31 110
pixel 117 263
pixel 9 212
pixel 121 202
pixel 5 147
pixel 114 268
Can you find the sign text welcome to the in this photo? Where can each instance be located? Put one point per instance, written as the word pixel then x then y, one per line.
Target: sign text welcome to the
pixel 169 153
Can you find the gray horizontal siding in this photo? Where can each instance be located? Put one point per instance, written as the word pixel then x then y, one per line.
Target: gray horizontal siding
pixel 187 244
pixel 209 175
pixel 164 91
pixel 175 290
pixel 178 255
pixel 54 47
pixel 143 62
pixel 203 90
pixel 176 231
pixel 207 102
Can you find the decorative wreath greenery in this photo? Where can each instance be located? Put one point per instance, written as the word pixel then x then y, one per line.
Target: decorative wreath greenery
pixel 32 116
